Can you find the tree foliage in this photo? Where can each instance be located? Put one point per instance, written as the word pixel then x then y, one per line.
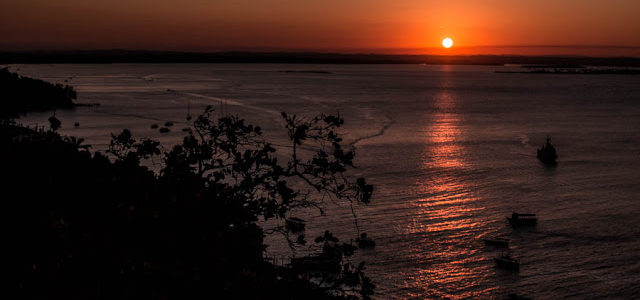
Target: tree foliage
pixel 117 229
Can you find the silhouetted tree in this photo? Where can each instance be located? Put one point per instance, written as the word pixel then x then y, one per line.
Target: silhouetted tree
pixel 87 227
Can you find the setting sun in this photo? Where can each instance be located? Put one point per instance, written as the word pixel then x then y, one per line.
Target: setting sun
pixel 447 43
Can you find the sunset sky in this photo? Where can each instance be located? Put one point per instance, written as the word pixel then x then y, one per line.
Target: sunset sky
pixel 580 27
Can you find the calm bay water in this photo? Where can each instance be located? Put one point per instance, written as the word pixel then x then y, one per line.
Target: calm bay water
pixel 450 150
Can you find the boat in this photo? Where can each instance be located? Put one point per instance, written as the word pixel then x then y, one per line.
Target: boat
pixel 513 296
pixel 522 220
pixel 507 262
pixel 497 242
pixel 547 154
pixel 321 263
pixel 295 225
pixel 365 242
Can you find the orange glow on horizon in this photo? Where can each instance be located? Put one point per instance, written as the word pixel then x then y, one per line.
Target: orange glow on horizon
pixel 386 26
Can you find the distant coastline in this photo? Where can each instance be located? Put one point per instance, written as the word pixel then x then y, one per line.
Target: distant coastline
pixel 131 56
pixel 574 71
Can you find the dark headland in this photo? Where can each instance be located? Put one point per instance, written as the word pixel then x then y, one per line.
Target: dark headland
pixel 81 224
pixel 133 56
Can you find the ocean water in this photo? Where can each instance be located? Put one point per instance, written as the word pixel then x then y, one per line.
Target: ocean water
pixel 450 150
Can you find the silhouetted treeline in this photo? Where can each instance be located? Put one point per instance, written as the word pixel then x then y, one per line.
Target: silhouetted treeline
pixel 22 94
pixel 82 225
pixel 125 56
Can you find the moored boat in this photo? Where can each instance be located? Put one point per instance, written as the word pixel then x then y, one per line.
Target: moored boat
pixel 365 242
pixel 522 220
pixel 497 242
pixel 507 262
pixel 547 154
pixel 295 225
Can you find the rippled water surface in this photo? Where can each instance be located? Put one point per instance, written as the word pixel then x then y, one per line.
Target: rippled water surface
pixel 451 151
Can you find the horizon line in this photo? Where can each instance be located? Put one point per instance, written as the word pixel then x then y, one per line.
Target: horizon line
pixel 285 48
pixel 569 50
pixel 352 51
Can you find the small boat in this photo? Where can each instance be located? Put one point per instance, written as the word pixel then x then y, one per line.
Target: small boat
pixel 497 242
pixel 295 225
pixel 507 262
pixel 365 242
pixel 517 297
pixel 547 154
pixel 321 263
pixel 522 220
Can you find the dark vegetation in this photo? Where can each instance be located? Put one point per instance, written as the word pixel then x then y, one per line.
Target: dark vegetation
pixel 22 94
pixel 127 56
pixel 81 224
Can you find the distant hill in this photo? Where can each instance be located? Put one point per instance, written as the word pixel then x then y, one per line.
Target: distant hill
pixel 130 56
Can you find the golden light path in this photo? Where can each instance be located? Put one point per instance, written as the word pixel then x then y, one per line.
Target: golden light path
pixel 447 213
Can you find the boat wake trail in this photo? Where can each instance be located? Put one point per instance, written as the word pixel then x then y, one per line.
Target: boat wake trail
pixel 235 103
pixel 382 130
pixel 129 116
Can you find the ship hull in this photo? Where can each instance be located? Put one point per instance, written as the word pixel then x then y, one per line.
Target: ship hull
pixel 522 222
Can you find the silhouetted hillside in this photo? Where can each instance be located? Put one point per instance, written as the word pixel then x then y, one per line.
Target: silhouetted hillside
pixel 22 94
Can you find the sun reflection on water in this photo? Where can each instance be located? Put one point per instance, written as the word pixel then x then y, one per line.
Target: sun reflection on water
pixel 445 213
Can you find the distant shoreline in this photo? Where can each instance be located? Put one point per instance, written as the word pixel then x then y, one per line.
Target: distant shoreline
pixel 126 56
pixel 578 71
